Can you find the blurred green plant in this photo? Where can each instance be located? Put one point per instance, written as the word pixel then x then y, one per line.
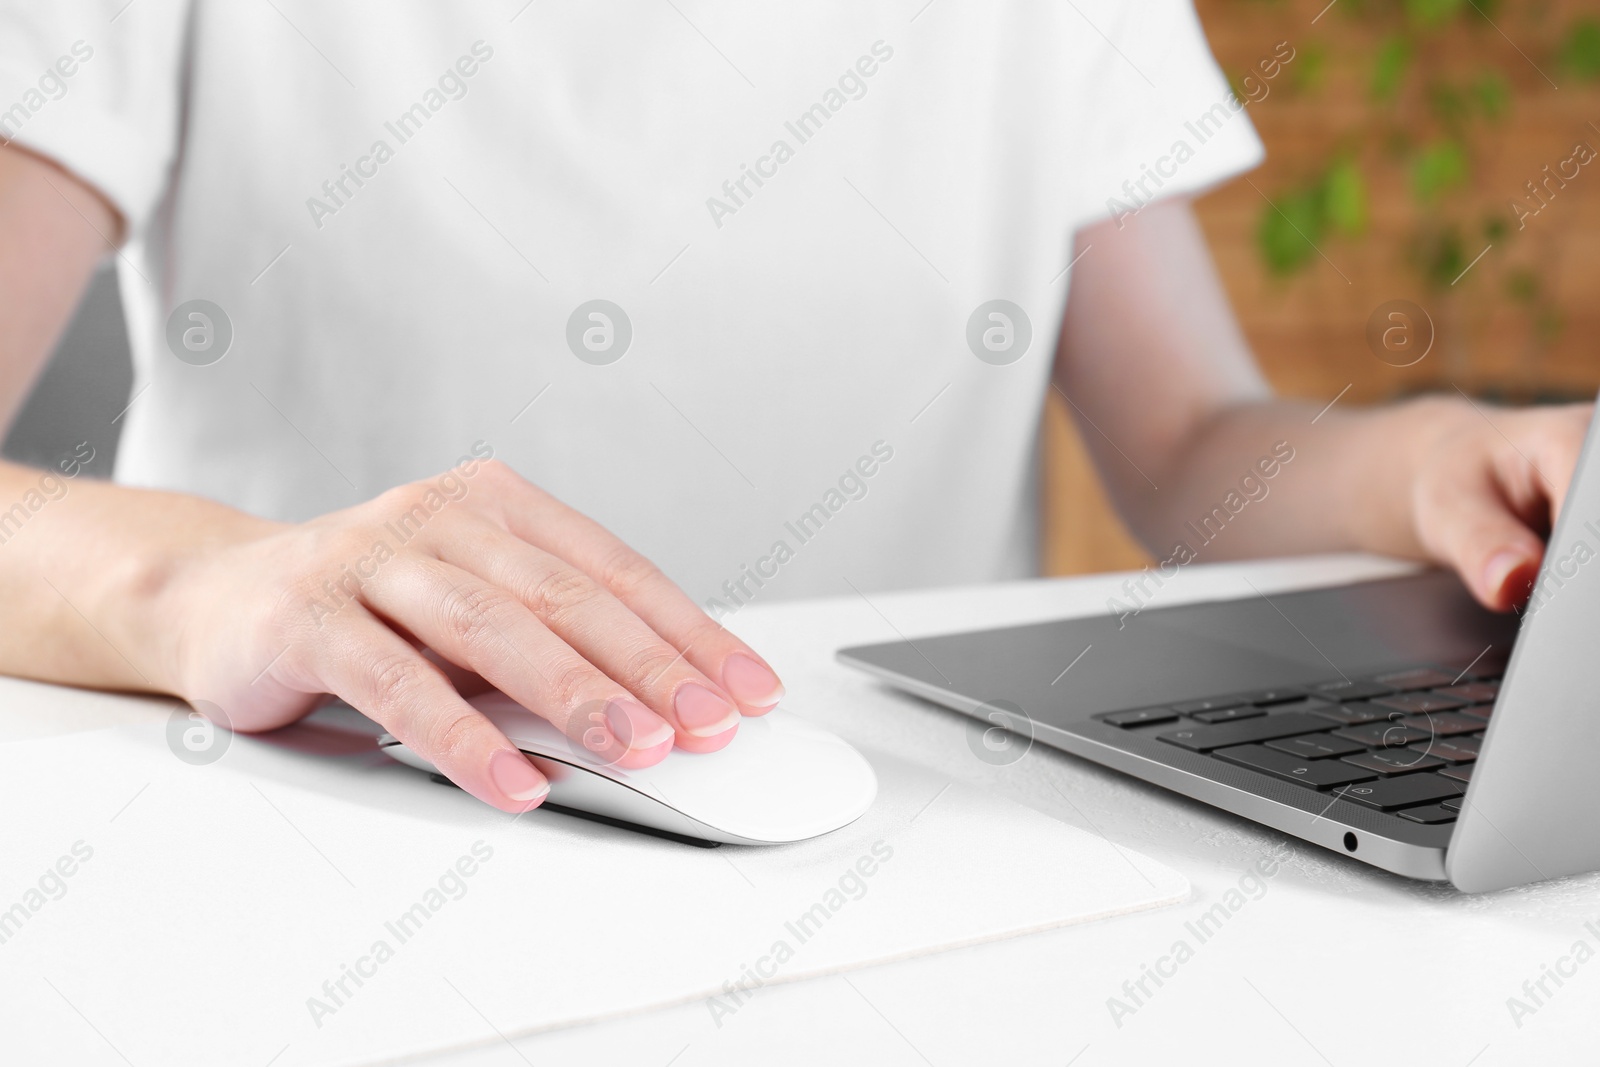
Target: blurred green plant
pixel 1310 68
pixel 1428 111
pixel 1439 168
pixel 1580 50
pixel 1344 197
pixel 1431 14
pixel 1389 68
pixel 1290 229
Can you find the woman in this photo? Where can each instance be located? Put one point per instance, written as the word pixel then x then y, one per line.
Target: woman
pixel 435 312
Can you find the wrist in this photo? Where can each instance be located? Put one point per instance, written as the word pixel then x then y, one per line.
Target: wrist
pixel 164 587
pixel 1399 446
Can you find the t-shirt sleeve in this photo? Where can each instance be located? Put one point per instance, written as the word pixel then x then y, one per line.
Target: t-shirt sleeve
pixel 1165 121
pixel 95 85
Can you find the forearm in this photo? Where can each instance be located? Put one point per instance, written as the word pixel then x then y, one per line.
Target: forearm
pixel 82 562
pixel 1277 477
pixel 1195 451
pixel 83 567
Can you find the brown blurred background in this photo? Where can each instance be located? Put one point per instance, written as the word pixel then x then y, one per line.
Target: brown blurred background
pixel 1398 140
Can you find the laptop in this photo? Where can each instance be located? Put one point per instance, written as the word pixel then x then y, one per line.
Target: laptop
pixel 1394 721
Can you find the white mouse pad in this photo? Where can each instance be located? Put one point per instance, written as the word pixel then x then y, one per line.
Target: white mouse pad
pixel 303 900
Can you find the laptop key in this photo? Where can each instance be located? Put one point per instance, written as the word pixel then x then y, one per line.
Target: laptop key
pixel 1406 791
pixel 1229 714
pixel 1382 734
pixel 1453 804
pixel 1317 746
pixel 1303 706
pixel 1142 717
pixel 1448 724
pixel 1245 732
pixel 1416 678
pixel 1317 774
pixel 1347 690
pixel 1191 707
pixel 1479 711
pixel 1416 703
pixel 1429 813
pixel 1461 772
pixel 1473 692
pixel 1266 697
pixel 1394 761
pixel 1352 714
pixel 1454 749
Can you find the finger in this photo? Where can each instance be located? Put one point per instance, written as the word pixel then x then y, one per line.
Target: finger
pixel 1470 525
pixel 541 520
pixel 600 628
pixel 368 666
pixel 483 627
pixel 1560 443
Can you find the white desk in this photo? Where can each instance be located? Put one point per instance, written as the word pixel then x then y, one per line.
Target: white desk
pixel 1332 963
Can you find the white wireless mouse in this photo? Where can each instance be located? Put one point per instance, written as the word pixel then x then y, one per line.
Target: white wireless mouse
pixel 781 779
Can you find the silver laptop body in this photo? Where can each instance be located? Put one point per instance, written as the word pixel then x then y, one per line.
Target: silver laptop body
pixel 1528 803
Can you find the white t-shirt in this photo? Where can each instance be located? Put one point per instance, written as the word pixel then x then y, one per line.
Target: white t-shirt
pixel 404 212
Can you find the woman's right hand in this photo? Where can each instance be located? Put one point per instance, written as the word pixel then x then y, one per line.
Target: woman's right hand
pixel 489 574
pixel 262 619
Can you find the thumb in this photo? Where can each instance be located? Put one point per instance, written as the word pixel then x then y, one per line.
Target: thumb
pixel 1475 531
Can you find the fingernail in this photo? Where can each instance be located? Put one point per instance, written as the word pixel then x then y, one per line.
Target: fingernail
pixel 636 726
pixel 702 712
pixel 751 682
pixel 1500 567
pixel 514 776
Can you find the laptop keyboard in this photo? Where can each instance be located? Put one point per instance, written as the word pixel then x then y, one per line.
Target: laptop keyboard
pixel 1403 742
